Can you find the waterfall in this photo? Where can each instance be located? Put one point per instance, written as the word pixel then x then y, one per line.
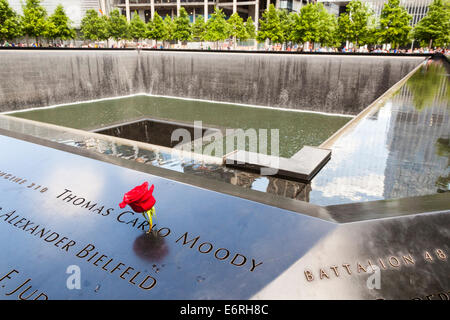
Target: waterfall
pixel 325 83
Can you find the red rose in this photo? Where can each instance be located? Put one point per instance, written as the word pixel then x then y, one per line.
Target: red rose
pixel 140 199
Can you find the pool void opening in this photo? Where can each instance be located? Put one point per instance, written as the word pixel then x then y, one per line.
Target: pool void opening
pixel 152 131
pixel 302 166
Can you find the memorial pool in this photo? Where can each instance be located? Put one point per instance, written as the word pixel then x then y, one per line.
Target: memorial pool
pixel 412 117
pixel 221 232
pixel 296 128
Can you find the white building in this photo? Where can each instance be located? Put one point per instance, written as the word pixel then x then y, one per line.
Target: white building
pixel 416 8
pixel 75 9
pixel 195 8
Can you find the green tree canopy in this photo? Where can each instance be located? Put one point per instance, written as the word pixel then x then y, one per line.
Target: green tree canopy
pixel 270 26
pixel 344 30
pixel 307 25
pixel 237 27
pixel 425 86
pixel 217 29
pixel 34 23
pixel 137 28
pixel 394 24
pixel 59 25
pixel 356 23
pixel 182 26
pixel 327 27
pixel 287 21
pixel 199 28
pixel 93 27
pixel 156 28
pixel 118 26
pixel 169 28
pixel 10 27
pixel 435 26
pixel 250 27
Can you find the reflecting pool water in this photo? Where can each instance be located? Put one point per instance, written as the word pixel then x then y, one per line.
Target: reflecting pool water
pixel 400 149
pixel 296 129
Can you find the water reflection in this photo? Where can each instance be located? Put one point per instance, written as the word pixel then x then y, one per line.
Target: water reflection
pixel 443 150
pixel 296 129
pixel 398 151
pixel 278 186
pixel 151 247
pixel 428 86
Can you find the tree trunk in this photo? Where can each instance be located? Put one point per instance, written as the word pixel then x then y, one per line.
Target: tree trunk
pixel 431 42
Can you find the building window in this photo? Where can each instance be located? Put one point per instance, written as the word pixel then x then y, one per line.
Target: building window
pixel 147 15
pixel 286 4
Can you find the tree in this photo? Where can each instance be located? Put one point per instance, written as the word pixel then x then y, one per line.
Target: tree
pixel 217 29
pixel 182 26
pixel 10 27
pixel 435 26
pixel 344 27
pixel 237 28
pixel 327 27
pixel 156 28
pixel 287 21
pixel 355 24
pixel 307 25
pixel 250 27
pixel 93 27
pixel 169 28
pixel 137 28
pixel 118 26
pixel 394 24
pixel 199 28
pixel 34 22
pixel 59 25
pixel 270 26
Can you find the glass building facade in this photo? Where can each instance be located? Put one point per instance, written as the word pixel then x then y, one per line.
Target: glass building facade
pixel 416 8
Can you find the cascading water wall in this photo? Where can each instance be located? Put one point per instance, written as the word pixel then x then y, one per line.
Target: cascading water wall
pixel 324 83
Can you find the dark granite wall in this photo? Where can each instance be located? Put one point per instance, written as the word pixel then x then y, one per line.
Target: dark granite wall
pixel 338 84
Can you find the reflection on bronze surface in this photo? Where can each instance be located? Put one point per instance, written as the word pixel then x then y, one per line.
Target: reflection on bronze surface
pixel 244 179
pixel 279 186
pixel 289 189
pixel 151 247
